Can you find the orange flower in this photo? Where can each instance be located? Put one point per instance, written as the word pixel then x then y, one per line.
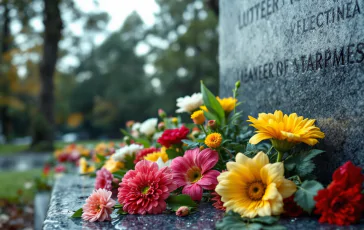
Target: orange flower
pixel 213 140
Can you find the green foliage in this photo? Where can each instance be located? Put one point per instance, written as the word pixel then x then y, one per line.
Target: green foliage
pixel 78 213
pixel 129 161
pixel 191 144
pixel 119 174
pixel 176 201
pixel 172 153
pixel 212 105
pixel 233 220
pixel 305 194
pixel 301 163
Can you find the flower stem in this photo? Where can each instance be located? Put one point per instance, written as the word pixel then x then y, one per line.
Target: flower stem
pixel 231 155
pixel 203 129
pixel 279 156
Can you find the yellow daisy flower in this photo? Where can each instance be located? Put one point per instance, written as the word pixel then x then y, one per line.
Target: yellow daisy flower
pixel 285 128
pixel 112 166
pixel 228 104
pixel 84 167
pixel 254 187
pixel 204 108
pixel 154 156
pixel 198 117
pixel 213 140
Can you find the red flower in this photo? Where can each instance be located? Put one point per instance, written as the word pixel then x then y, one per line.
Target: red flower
pixel 348 175
pixel 338 206
pixel 46 169
pixel 142 153
pixel 342 202
pixel 218 204
pixel 291 208
pixel 173 136
pixel 104 179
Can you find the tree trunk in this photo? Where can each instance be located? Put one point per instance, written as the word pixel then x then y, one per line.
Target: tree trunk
pixel 52 35
pixel 214 6
pixel 5 47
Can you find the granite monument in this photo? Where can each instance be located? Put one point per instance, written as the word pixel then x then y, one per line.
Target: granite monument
pixel 300 56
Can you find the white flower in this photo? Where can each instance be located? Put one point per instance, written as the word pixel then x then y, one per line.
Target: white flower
pixel 128 150
pixel 136 126
pixel 189 103
pixel 162 164
pixel 149 126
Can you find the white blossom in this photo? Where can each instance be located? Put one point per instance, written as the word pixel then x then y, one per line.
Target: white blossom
pixel 189 103
pixel 149 126
pixel 162 164
pixel 128 150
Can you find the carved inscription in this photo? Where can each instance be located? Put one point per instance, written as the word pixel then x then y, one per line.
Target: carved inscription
pixel 322 59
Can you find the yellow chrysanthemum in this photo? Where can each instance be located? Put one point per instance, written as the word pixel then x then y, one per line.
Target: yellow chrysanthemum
pixel 204 108
pixel 198 117
pixel 84 167
pixel 175 120
pixel 154 156
pixel 112 166
pixel 228 104
pixel 101 148
pixel 287 128
pixel 254 187
pixel 213 140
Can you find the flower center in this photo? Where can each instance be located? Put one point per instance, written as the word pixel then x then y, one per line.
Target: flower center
pixel 194 174
pixel 145 190
pixel 256 190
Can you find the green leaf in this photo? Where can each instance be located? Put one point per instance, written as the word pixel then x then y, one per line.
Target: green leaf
pixel 121 212
pixel 233 220
pixel 101 157
pixel 265 220
pixel 118 206
pixel 119 174
pixel 174 202
pixel 143 141
pixel 123 131
pixel 190 143
pixel 305 194
pixel 129 161
pixel 301 163
pixel 274 227
pixel 212 104
pixel 172 153
pixel 77 213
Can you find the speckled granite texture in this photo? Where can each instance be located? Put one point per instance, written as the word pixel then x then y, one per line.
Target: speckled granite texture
pixel 299 56
pixel 71 191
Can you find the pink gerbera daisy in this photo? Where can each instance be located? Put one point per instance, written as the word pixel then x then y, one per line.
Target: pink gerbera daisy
pixel 145 189
pixel 104 179
pixel 193 171
pixel 98 206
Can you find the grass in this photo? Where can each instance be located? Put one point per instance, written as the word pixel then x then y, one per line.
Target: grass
pixel 13 182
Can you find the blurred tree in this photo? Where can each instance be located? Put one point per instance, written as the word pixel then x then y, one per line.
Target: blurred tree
pixel 115 88
pixel 52 35
pixel 184 49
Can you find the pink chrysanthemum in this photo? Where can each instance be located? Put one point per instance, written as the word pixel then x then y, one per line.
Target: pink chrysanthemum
pixel 193 171
pixel 104 179
pixel 98 206
pixel 145 189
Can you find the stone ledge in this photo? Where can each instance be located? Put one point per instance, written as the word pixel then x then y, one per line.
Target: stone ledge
pixel 71 191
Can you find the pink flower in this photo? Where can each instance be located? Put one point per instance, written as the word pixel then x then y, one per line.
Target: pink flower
pixel 60 169
pixel 193 171
pixel 183 211
pixel 145 189
pixel 104 179
pixel 98 206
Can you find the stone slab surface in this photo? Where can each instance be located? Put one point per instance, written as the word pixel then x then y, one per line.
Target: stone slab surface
pixel 70 193
pixel 300 56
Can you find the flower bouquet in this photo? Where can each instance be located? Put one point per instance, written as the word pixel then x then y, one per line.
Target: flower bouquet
pixel 166 166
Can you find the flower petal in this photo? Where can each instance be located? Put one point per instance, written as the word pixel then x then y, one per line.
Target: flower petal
pixel 261 159
pixel 206 159
pixel 194 191
pixel 209 179
pixel 287 188
pixel 180 164
pixel 272 173
pixel 259 137
pixel 191 155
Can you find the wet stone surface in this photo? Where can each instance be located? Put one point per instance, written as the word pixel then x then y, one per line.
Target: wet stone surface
pixel 70 193
pixel 299 56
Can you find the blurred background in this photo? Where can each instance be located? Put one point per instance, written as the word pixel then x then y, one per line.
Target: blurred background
pixel 79 69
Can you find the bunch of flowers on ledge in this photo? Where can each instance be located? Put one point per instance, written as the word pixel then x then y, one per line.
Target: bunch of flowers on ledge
pixel 164 165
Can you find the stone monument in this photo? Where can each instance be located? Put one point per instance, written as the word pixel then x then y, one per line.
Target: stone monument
pixel 300 56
